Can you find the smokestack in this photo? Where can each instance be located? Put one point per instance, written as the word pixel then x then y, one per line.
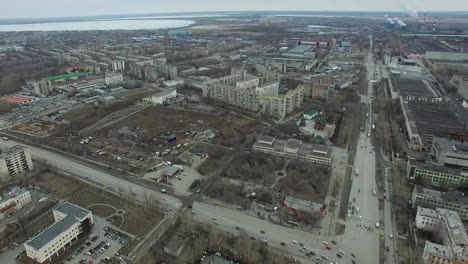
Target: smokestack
pixel 244 75
pixel 435 24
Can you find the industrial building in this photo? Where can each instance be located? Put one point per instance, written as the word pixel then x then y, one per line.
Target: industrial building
pixel 161 97
pixel 13 200
pixel 445 61
pixel 425 119
pixel 294 149
pixel 449 153
pixel 71 222
pixel 447 227
pixel 414 88
pixel 436 175
pixel 461 83
pixel 14 162
pixel 301 51
pixel 454 200
pixel 254 93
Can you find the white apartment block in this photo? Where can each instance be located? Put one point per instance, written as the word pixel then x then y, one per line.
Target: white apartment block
pixel 71 221
pixel 294 149
pixel 254 93
pixel 13 200
pixel 114 80
pixel 14 162
pixel 43 87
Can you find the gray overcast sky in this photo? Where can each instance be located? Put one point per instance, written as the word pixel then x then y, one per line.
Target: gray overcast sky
pixel 64 8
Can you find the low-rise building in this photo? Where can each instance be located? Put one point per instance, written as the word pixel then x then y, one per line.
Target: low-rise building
pixel 456 201
pixel 446 227
pixel 14 162
pixel 294 149
pixel 13 200
pixel 71 222
pixel 436 175
pixel 161 97
pixel 450 153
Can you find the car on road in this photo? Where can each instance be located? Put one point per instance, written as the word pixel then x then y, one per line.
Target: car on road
pixel 300 244
pixel 253 238
pixel 353 255
pixel 312 253
pixel 338 255
pixel 264 241
pixel 387 248
pixel 294 242
pixel 283 244
pixel 342 252
pixel 325 242
pixel 328 248
pixel 324 257
pixel 237 227
pixel 216 223
pixel 261 231
pixel 333 242
pixel 352 261
pixel 214 218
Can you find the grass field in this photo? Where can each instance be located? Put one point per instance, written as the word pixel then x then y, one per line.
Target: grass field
pixel 59 186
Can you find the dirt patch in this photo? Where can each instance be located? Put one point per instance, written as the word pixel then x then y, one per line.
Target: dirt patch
pixel 305 181
pixel 60 186
pixel 215 156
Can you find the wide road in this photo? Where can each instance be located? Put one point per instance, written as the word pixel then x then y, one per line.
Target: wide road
pixel 93 175
pixel 364 232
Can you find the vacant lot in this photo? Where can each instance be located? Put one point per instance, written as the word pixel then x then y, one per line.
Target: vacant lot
pixel 255 167
pixel 156 123
pixel 59 186
pixel 305 181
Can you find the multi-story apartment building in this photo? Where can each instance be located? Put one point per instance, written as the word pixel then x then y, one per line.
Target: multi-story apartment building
pixel 436 175
pixel 113 80
pixel 254 93
pixel 43 87
pixel 152 69
pixel 294 149
pixel 14 162
pixel 71 222
pixel 318 88
pixel 456 201
pixel 13 200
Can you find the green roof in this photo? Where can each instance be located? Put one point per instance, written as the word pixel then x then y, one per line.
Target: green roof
pixel 311 112
pixel 61 77
pixel 319 139
pixel 296 126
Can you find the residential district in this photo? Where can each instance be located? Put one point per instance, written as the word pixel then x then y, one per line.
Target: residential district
pixel 257 138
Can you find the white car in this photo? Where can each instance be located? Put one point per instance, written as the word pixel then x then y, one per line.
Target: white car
pixel 325 242
pixel 342 252
pixel 294 242
pixel 324 257
pixel 216 223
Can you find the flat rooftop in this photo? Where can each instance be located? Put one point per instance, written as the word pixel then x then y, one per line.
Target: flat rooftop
pixel 437 168
pixel 164 92
pixel 300 49
pixel 433 118
pixel 427 212
pixel 453 197
pixel 413 87
pixel 11 151
pixel 73 214
pixel 447 145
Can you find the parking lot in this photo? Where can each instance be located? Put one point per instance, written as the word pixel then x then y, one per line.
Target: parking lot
pixel 101 246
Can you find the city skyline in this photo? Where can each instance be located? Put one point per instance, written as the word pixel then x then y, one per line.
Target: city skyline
pixel 68 8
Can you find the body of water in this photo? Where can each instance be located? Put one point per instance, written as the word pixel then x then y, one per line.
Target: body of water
pixel 118 24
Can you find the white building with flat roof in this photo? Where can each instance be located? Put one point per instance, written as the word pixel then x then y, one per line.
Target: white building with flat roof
pixel 161 97
pixel 71 221
pixel 15 161
pixel 13 200
pixel 113 80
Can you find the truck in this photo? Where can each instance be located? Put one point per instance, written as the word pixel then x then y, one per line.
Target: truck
pixel 373 126
pixel 5 138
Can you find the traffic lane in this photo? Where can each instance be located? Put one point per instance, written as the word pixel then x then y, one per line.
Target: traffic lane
pixel 229 219
pixel 76 168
